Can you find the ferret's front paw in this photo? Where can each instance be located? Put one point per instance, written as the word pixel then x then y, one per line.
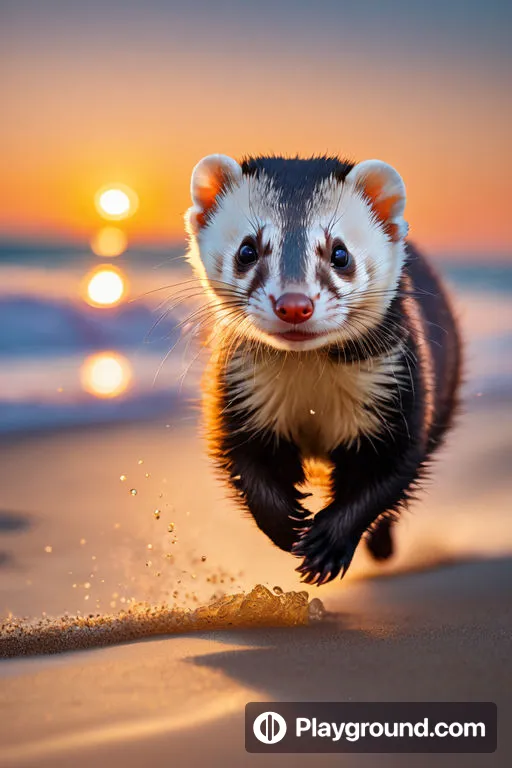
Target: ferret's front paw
pixel 324 552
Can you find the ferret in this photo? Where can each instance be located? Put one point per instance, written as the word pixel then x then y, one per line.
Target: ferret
pixel 332 339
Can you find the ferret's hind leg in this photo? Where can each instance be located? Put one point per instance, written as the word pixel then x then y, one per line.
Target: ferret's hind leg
pixel 379 542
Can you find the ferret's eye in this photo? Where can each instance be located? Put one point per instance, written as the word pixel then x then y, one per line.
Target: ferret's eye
pixel 340 257
pixel 247 255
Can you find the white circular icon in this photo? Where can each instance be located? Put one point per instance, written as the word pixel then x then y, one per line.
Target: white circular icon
pixel 269 727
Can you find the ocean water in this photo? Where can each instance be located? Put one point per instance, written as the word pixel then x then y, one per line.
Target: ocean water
pixel 53 344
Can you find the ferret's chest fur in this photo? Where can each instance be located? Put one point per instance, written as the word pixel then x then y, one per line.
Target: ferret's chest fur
pixel 313 401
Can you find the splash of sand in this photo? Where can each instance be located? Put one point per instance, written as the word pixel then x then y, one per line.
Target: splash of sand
pixel 258 608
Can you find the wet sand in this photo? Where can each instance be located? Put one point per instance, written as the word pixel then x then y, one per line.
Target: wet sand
pixel 436 624
pixel 258 608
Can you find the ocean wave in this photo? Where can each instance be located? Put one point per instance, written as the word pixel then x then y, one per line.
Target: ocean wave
pixel 33 326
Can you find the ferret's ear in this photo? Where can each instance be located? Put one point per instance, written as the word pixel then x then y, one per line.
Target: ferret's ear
pixel 385 190
pixel 211 175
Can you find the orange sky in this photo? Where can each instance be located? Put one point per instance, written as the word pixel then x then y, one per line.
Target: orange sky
pixel 95 100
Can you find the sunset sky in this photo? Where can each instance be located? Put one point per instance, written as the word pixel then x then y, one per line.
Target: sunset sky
pixel 136 93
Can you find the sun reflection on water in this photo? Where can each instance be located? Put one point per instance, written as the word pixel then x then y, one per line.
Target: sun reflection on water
pixel 105 286
pixel 109 242
pixel 106 374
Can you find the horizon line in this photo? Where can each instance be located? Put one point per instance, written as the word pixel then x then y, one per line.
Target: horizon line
pixel 78 246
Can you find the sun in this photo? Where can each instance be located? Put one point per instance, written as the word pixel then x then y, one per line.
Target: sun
pixel 105 287
pixel 116 202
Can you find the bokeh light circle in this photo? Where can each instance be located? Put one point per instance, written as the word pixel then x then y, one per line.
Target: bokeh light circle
pixel 109 242
pixel 106 374
pixel 105 287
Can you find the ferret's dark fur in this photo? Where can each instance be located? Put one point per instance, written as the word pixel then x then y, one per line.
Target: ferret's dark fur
pixel 375 471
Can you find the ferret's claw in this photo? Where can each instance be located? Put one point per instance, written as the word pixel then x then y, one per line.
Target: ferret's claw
pixel 323 558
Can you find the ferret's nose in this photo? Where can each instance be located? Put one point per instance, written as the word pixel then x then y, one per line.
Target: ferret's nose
pixel 294 308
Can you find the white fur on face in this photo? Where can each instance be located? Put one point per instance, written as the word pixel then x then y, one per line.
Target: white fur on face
pixel 342 210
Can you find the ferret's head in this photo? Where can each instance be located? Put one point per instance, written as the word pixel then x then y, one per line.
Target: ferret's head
pixel 297 254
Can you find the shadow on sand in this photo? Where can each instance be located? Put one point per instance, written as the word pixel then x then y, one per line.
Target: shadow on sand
pixel 439 635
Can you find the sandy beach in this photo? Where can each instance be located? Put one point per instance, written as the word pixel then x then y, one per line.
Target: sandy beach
pixel 433 624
